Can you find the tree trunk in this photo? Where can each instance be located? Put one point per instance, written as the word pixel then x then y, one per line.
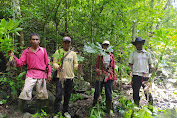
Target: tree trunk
pixel 66 18
pixel 17 15
pixel 91 67
pixel 57 23
pixel 134 30
pixel 152 7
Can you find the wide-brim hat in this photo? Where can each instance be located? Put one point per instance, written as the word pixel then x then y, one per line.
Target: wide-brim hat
pixel 138 39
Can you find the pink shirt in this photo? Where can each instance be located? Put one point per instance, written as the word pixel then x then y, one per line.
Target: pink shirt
pixel 36 63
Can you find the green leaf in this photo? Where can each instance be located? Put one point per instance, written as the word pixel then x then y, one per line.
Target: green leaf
pixel 15 24
pixel 89 48
pixel 3 22
pixel 1 103
pixel 9 25
pixel 17 33
pixel 11 83
pixel 80 58
pixel 21 74
pixel 15 30
pixel 14 90
pixel 55 55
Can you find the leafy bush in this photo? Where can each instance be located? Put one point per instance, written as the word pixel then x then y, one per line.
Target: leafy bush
pixel 6 41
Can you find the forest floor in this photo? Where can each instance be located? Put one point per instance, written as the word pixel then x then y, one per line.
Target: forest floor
pixel 164 96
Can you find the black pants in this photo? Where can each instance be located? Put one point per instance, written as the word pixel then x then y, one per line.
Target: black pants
pixel 108 89
pixel 68 86
pixel 136 85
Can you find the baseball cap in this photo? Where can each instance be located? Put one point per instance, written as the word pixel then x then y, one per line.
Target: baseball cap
pixel 66 38
pixel 106 42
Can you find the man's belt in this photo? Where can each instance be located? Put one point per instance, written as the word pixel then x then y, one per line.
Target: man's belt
pixel 37 69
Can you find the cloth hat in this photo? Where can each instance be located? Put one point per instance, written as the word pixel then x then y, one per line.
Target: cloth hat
pixel 106 42
pixel 66 38
pixel 138 39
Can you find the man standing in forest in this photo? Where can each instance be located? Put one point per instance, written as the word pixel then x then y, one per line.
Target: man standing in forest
pixel 105 66
pixel 140 63
pixel 65 73
pixel 38 65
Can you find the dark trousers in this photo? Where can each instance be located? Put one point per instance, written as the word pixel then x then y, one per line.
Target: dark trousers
pixel 136 85
pixel 108 89
pixel 67 90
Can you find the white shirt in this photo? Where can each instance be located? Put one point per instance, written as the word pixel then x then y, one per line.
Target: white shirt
pixel 106 60
pixel 140 61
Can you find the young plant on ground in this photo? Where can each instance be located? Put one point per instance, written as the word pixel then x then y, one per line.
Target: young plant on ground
pixel 128 109
pixel 98 111
pixel 40 115
pixel 75 97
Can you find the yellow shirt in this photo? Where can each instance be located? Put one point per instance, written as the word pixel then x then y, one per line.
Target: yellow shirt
pixel 69 63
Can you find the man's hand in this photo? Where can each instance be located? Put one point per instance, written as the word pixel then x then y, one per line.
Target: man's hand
pixel 151 69
pixel 80 71
pixel 59 68
pixel 109 70
pixel 99 72
pixel 49 77
pixel 10 54
pixel 115 82
pixel 130 74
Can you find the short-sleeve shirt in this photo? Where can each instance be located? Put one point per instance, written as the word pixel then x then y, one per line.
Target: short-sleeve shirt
pixel 140 61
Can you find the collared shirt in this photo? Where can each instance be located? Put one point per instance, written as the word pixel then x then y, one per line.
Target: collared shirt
pixel 140 60
pixel 112 75
pixel 36 63
pixel 69 63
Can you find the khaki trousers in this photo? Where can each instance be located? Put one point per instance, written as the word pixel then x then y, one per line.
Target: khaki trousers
pixel 41 91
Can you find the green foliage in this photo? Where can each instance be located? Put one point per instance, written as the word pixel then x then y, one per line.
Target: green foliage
pixel 4 100
pixel 40 115
pixel 91 92
pixel 60 115
pixel 97 112
pixel 13 84
pixel 6 12
pixel 97 49
pixel 129 109
pixel 167 113
pixel 80 59
pixel 75 97
pixel 6 41
pixel 144 112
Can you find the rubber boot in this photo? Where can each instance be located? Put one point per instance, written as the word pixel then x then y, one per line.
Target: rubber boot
pixel 94 102
pixel 150 106
pixel 109 110
pixel 39 106
pixel 21 105
pixel 137 103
